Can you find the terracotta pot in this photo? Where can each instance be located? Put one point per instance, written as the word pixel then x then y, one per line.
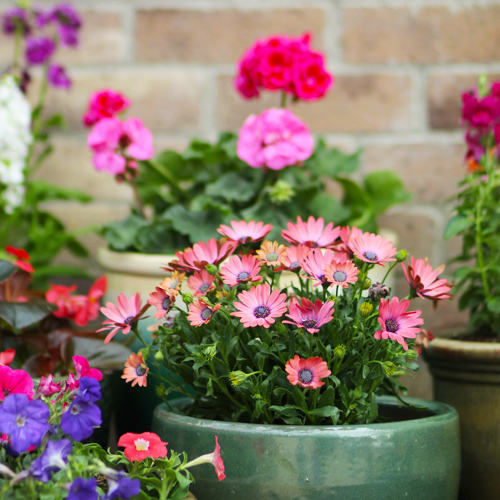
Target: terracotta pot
pixel 467 376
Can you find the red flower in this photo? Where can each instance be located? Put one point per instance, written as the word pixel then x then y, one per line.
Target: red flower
pixel 22 258
pixel 7 356
pixel 141 446
pixel 307 372
pixel 213 458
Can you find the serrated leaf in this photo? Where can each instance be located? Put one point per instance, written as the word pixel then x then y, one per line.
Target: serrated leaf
pixel 231 187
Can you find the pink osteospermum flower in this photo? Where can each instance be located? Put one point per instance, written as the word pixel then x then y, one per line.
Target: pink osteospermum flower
pixel 308 315
pixel 307 372
pixel 201 283
pixel 424 280
pixel 200 312
pixel 162 300
pixel 121 316
pixel 271 253
pixel 245 232
pixel 173 283
pixel 292 258
pixel 372 248
pixel 136 370
pixel 259 306
pixel 341 273
pixel 347 233
pixel 396 323
pixel 315 264
pixel 240 270
pixel 312 233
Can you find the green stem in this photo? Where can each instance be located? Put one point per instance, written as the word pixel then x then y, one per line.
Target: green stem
pixel 283 99
pixel 137 196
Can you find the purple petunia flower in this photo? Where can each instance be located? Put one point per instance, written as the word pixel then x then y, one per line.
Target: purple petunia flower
pixel 121 486
pixel 53 459
pixel 15 18
pixel 79 420
pixel 89 390
pixel 24 421
pixel 39 50
pixel 57 77
pixel 83 489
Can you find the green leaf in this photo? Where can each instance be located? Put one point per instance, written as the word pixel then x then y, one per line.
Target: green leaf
pixel 22 314
pixel 43 191
pixel 120 235
pixel 111 356
pixel 327 398
pixel 55 121
pixel 332 162
pixel 456 225
pixel 231 187
pixel 493 304
pixel 7 269
pixel 327 206
pixel 386 189
pixel 326 411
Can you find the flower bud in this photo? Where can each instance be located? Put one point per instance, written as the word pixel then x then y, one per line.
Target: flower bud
pixel 211 269
pixel 411 354
pixel 339 351
pixel 159 357
pixel 238 377
pixel 161 391
pixel 389 368
pixel 281 192
pixel 401 255
pixel 210 351
pixel 365 309
pixel 367 284
pixel 187 298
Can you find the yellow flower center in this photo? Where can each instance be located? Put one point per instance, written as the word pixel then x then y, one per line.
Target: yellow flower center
pixel 141 444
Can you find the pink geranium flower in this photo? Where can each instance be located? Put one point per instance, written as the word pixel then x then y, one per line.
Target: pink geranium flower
pixel 162 300
pixel 245 232
pixel 200 312
pixel 372 248
pixel 240 270
pixel 121 317
pixel 104 104
pixel 308 315
pixel 424 280
pixel 396 323
pixel 310 79
pixel 315 264
pixel 274 139
pixel 14 382
pixel 307 372
pixel 259 306
pixel 341 273
pixel 201 283
pixel 312 233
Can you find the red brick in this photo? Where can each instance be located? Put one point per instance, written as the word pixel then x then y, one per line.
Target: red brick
pixel 219 36
pixel 428 35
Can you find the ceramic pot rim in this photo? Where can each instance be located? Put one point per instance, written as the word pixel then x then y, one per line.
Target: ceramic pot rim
pixel 463 350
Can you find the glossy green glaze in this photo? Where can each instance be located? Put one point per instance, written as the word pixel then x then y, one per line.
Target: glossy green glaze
pixel 414 458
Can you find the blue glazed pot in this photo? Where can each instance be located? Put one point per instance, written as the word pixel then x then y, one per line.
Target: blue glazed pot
pixel 414 457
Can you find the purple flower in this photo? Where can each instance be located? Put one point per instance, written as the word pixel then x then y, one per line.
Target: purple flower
pixel 69 23
pixel 24 421
pixel 79 420
pixel 15 18
pixel 39 50
pixel 53 459
pixel 69 36
pixel 121 486
pixel 83 489
pixel 89 390
pixel 57 77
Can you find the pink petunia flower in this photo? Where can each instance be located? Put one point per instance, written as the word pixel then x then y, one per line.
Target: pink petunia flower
pixel 312 233
pixel 372 248
pixel 307 372
pixel 104 104
pixel 201 283
pixel 424 280
pixel 315 264
pixel 341 273
pixel 213 458
pixel 240 270
pixel 245 232
pixel 396 323
pixel 15 382
pixel 259 306
pixel 308 315
pixel 121 317
pixel 162 300
pixel 47 387
pixel 200 312
pixel 274 139
pixel 83 369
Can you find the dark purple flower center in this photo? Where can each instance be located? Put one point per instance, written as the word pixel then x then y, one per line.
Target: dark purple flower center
pixel 391 326
pixel 305 376
pixel 204 288
pixel 125 141
pixel 20 421
pixel 261 312
pixel 140 371
pixel 311 244
pixel 166 303
pixel 309 323
pixel 243 276
pixel 339 276
pixel 370 256
pixel 129 320
pixel 206 313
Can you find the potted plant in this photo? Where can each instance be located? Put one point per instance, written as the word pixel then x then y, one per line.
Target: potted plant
pixel 466 367
pixel 289 374
pixel 43 453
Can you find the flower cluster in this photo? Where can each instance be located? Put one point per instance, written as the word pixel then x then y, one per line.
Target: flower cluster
pixel 15 139
pixel 285 333
pixel 41 452
pixel 286 64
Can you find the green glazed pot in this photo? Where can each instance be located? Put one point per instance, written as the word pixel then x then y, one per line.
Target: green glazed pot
pixel 415 457
pixel 466 375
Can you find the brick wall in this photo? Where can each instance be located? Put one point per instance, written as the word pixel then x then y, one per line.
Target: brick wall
pixel 400 68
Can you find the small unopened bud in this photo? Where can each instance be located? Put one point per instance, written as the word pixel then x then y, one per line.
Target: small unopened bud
pixel 389 368
pixel 378 291
pixel 210 351
pixel 365 309
pixel 187 298
pixel 411 354
pixel 281 192
pixel 211 269
pixel 401 255
pixel 367 284
pixel 161 391
pixel 159 357
pixel 238 377
pixel 339 351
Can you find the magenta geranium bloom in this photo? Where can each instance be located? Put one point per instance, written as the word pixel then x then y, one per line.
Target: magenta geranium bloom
pixel 274 139
pixel 312 233
pixel 315 264
pixel 240 270
pixel 122 316
pixel 396 323
pixel 200 312
pixel 424 280
pixel 245 232
pixel 14 382
pixel 201 283
pixel 307 372
pixel 341 273
pixel 308 315
pixel 104 104
pixel 259 306
pixel 162 300
pixel 372 248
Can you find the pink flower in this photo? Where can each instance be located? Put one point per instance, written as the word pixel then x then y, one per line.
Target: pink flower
pixel 372 248
pixel 310 78
pixel 259 306
pixel 480 112
pixel 200 312
pixel 14 382
pixel 6 357
pixel 213 458
pixel 240 270
pixel 396 323
pixel 47 387
pixel 307 372
pixel 201 283
pixel 162 300
pixel 291 260
pixel 22 258
pixel 104 104
pixel 83 369
pixel 315 264
pixel 274 139
pixel 122 317
pixel 341 273
pixel 424 280
pixel 245 232
pixel 312 233
pixel 140 446
pixel 270 253
pixel 308 315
